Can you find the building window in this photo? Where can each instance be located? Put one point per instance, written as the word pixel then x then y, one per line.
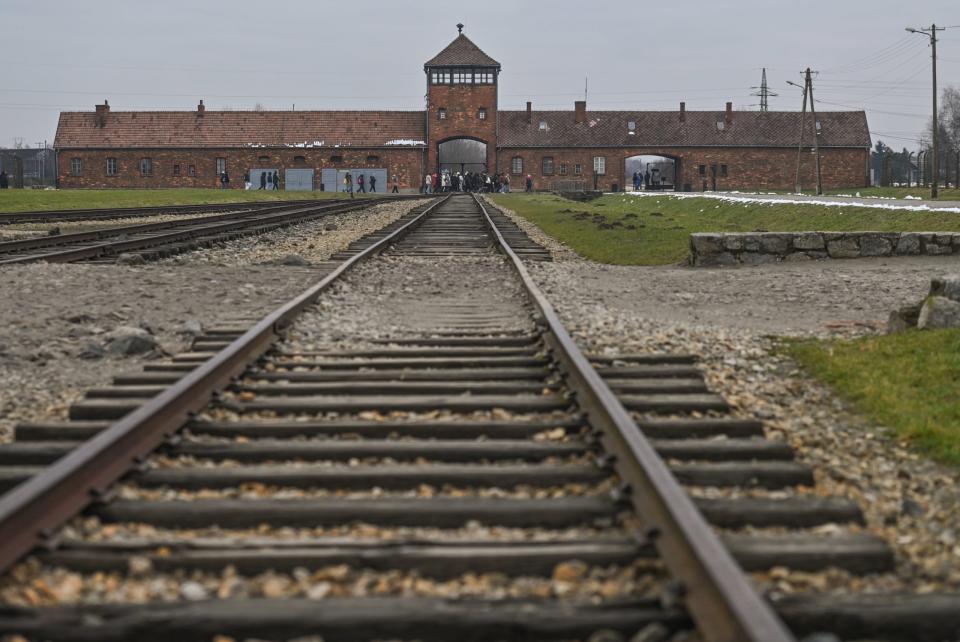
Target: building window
pixel 632 126
pixel 721 125
pixel 516 165
pixel 336 158
pixel 461 77
pixel 442 113
pixel 263 159
pixel 483 77
pixel 703 170
pixel 191 170
pixel 111 167
pixel 176 169
pixel 440 77
pixel 599 165
pixel 482 113
pixel 221 166
pixel 577 169
pixel 547 165
pixel 563 169
pixel 76 166
pixel 299 160
pixel 723 170
pixel 373 159
pixel 543 125
pixel 146 167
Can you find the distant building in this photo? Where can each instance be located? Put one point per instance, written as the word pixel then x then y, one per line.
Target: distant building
pixel 462 129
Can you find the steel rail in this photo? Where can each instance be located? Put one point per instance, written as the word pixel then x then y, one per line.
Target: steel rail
pixel 721 600
pixel 30 512
pixel 203 226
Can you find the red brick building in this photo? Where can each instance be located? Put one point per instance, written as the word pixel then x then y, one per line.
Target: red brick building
pixel 461 129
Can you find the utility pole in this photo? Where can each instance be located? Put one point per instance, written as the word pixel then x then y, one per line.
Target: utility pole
pixel 808 91
pixel 803 115
pixel 764 92
pixel 816 132
pixel 931 33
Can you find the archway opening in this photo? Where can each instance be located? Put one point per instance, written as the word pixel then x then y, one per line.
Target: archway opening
pixel 463 155
pixel 651 172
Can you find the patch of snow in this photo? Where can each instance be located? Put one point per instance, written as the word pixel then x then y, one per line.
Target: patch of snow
pixel 730 198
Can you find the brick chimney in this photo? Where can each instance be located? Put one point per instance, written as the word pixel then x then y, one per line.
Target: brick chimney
pixel 683 112
pixel 729 115
pixel 529 112
pixel 102 111
pixel 201 108
pixel 580 111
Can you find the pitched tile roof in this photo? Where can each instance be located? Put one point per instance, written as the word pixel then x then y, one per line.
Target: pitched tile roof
pixel 462 52
pixel 663 128
pixel 158 129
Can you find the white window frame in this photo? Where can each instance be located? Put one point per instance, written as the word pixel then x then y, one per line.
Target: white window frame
pixel 544 162
pixel 516 165
pixel 76 166
pixel 112 166
pixel 563 169
pixel 600 165
pixel 442 113
pixel 462 77
pixel 577 169
pixel 221 165
pixel 146 166
pixel 482 113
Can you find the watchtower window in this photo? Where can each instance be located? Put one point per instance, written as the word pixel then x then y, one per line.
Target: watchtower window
pixel 482 113
pixel 462 77
pixel 442 113
pixel 483 77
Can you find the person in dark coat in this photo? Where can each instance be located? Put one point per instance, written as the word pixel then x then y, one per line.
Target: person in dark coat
pixel 529 183
pixel 373 183
pixel 224 180
pixel 646 179
pixel 263 180
pixel 360 186
pixel 4 180
pixel 276 181
pixel 396 185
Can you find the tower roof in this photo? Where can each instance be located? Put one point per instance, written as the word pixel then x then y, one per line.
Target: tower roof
pixel 462 52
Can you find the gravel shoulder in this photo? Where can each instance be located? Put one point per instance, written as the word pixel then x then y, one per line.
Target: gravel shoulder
pixel 732 318
pixel 56 316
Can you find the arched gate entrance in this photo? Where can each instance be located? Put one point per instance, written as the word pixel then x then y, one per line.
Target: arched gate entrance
pixel 463 155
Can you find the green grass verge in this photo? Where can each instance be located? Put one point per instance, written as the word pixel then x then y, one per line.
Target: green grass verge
pixel 663 224
pixel 28 200
pixel 908 382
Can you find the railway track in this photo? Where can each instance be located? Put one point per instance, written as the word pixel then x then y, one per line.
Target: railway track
pixel 424 455
pixel 59 216
pixel 157 240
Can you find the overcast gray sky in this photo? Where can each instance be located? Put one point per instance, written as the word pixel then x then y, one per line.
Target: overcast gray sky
pixel 320 54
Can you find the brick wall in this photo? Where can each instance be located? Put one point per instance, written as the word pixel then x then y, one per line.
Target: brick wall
pixel 407 164
pixel 462 103
pixel 752 168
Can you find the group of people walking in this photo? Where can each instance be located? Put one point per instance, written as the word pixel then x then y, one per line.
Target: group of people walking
pixel 641 178
pixel 367 184
pixel 446 181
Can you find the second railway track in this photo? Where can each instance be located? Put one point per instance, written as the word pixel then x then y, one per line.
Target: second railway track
pixel 157 240
pixel 423 455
